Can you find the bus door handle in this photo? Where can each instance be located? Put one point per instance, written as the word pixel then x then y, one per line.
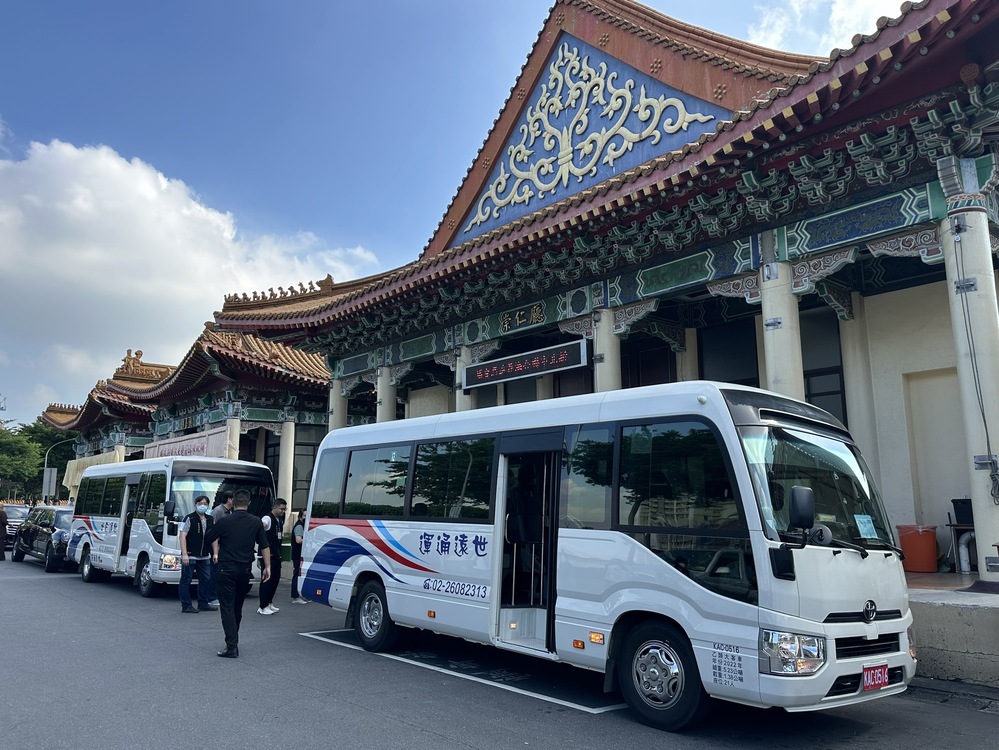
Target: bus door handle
pixel 506 528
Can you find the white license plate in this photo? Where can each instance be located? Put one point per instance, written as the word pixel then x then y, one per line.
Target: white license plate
pixel 876 677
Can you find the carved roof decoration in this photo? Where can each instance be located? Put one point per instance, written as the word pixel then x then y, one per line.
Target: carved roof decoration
pixel 234 356
pixel 104 404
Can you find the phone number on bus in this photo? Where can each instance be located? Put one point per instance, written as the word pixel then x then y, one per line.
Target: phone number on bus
pixel 471 590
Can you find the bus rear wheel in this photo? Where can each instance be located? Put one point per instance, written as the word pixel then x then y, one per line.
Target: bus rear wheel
pixel 372 623
pixel 659 678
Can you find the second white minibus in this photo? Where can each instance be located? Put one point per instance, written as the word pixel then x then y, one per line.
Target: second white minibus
pixel 127 516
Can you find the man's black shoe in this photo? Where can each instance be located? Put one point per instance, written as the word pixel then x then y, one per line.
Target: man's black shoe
pixel 229 652
pixel 189 611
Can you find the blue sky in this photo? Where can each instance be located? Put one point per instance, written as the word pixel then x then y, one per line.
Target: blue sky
pixel 157 156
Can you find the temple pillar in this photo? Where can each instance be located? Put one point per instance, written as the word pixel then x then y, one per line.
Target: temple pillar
pixel 337 410
pixel 606 352
pixel 286 459
pixel 232 427
pixel 385 393
pixel 974 314
pixel 781 331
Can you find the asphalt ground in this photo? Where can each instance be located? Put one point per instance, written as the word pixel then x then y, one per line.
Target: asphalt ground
pixel 95 664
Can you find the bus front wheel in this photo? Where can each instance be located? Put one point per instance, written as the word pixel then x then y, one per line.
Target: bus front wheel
pixel 372 623
pixel 659 679
pixel 147 586
pixel 88 572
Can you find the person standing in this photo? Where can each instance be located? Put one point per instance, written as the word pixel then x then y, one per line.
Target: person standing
pixel 297 536
pixel 233 541
pixel 274 526
pixel 223 507
pixel 195 557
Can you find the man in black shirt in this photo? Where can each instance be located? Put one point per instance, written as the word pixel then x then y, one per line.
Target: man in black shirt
pixel 233 541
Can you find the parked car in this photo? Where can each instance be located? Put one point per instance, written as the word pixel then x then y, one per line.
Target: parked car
pixel 15 516
pixel 44 534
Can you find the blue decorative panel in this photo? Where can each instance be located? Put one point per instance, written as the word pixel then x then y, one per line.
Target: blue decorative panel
pixel 858 223
pixel 590 118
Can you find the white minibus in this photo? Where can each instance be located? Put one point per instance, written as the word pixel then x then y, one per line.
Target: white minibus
pixel 688 540
pixel 127 516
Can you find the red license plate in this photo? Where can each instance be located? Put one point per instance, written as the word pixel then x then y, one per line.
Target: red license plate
pixel 876 677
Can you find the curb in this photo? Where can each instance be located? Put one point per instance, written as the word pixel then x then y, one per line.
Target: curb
pixel 955 687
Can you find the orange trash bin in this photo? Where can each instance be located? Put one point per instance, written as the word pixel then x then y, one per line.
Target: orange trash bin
pixel 919 545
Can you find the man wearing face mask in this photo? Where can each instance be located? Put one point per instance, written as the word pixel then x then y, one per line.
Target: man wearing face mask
pixel 195 554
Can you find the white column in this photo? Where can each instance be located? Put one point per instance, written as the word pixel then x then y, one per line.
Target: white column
pixel 606 353
pixel 463 400
pixel 855 348
pixel 337 411
pixel 687 367
pixel 286 460
pixel 974 313
pixel 544 387
pixel 385 394
pixel 232 427
pixel 781 331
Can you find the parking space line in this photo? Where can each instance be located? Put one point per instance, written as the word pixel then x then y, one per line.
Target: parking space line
pixel 601 710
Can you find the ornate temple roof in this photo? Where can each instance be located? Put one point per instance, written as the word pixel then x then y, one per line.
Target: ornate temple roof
pixel 105 403
pixel 230 356
pixel 750 99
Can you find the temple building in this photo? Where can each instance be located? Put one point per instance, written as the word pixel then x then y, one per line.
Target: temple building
pixel 657 202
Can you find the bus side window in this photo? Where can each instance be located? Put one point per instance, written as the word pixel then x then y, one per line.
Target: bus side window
pixel 587 478
pixel 92 499
pixel 114 490
pixel 155 497
pixel 81 496
pixel 327 484
pixel 376 481
pixel 453 479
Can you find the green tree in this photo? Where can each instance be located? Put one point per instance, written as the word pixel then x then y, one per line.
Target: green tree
pixel 47 437
pixel 20 457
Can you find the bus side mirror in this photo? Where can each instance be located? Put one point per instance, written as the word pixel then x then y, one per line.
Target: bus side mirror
pixel 802 510
pixel 169 507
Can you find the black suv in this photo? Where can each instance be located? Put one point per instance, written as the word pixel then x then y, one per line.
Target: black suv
pixel 15 515
pixel 44 534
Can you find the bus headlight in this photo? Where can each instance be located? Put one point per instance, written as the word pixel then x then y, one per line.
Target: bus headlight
pixel 169 562
pixel 791 653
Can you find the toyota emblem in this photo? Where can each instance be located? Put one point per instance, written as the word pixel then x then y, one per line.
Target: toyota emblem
pixel 870 610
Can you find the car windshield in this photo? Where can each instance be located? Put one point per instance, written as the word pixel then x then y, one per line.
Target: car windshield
pixel 63 519
pixel 846 499
pixel 16 512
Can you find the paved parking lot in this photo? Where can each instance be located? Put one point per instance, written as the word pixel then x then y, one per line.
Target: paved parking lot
pixel 96 664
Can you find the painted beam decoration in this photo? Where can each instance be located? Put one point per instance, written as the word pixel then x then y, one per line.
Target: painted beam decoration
pixel 591 118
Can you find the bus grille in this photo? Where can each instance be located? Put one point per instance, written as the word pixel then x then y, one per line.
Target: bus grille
pixel 852 648
pixel 888 614
pixel 850 683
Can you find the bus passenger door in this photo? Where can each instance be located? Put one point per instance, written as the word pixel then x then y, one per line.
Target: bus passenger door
pixel 529 526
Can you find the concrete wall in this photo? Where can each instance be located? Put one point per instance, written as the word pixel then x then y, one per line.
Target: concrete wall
pixel 425 402
pixel 911 355
pixel 955 636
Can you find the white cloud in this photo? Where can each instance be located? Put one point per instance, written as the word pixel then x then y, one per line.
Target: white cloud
pixel 817 27
pixel 100 254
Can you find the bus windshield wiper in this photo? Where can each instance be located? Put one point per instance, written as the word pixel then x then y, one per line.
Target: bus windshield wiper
pixel 834 542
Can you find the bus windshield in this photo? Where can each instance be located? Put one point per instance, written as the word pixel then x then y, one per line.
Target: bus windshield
pixel 187 488
pixel 846 499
